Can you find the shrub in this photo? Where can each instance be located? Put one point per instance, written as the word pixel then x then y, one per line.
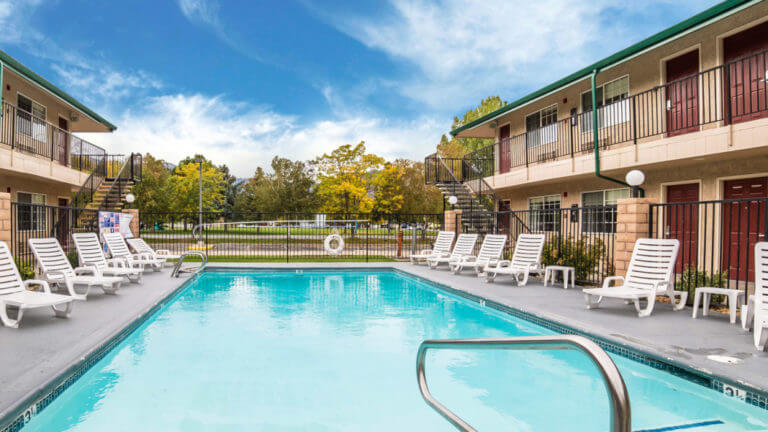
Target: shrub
pixel 26 271
pixel 72 257
pixel 584 256
pixel 691 278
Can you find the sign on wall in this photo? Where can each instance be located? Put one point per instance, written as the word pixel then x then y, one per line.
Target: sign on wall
pixel 110 222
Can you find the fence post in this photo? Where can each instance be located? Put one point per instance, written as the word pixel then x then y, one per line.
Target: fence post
pixel 632 223
pixel 399 243
pixel 452 220
pixel 5 219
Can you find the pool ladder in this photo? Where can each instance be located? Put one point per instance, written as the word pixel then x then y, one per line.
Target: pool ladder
pixel 620 420
pixel 178 267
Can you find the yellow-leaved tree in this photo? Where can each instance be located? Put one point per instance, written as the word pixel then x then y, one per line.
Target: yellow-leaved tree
pixel 183 186
pixel 387 186
pixel 343 178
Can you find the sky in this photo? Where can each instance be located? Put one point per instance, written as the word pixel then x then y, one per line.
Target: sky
pixel 242 81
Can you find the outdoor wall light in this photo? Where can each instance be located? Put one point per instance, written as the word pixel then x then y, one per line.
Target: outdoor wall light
pixel 635 178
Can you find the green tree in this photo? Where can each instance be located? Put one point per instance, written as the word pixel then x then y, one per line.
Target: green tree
pixel 387 186
pixel 289 188
pixel 183 187
pixel 152 191
pixel 457 147
pixel 343 178
pixel 418 197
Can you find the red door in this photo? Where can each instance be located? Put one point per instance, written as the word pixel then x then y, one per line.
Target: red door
pixel 743 225
pixel 504 150
pixel 746 73
pixel 683 94
pixel 62 141
pixel 682 223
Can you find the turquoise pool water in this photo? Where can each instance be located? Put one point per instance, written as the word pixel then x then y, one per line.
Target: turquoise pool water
pixel 335 351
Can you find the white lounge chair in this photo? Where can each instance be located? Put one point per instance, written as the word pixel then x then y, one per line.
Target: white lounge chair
pixel 464 246
pixel 15 292
pixel 442 247
pixel 119 249
pixel 90 253
pixel 490 252
pixel 761 295
pixel 54 268
pixel 141 247
pixel 649 274
pixel 525 260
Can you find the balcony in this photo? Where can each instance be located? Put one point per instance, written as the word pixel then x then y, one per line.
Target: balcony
pixel 22 131
pixel 731 93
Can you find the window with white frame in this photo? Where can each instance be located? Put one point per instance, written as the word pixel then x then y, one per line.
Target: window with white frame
pixel 544 213
pixel 613 105
pixel 29 215
pixel 599 210
pixel 30 118
pixel 541 127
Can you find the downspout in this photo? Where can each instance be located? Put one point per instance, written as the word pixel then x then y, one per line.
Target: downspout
pixel 595 138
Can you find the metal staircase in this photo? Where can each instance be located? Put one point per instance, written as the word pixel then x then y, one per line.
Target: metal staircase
pixel 460 177
pixel 110 181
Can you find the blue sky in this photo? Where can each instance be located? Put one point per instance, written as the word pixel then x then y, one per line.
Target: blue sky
pixel 243 81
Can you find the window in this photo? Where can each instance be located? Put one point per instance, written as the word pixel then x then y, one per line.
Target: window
pixel 30 217
pixel 541 127
pixel 599 210
pixel 612 104
pixel 545 213
pixel 30 118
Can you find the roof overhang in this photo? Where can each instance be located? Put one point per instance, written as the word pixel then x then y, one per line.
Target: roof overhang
pixel 6 61
pixel 482 127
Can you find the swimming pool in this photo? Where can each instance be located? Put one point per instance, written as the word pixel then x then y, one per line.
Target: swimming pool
pixel 324 351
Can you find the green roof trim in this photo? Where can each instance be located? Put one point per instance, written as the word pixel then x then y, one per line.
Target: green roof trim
pixel 644 44
pixel 14 64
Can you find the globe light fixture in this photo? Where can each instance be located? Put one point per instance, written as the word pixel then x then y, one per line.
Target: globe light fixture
pixel 452 200
pixel 130 198
pixel 635 178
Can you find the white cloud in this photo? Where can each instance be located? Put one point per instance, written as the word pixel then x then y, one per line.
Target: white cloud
pixel 104 84
pixel 245 136
pixel 464 50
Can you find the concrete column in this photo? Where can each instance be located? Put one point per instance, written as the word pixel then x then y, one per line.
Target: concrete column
pixel 452 220
pixel 134 222
pixel 5 218
pixel 632 216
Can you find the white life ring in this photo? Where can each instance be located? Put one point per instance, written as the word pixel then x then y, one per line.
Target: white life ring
pixel 339 244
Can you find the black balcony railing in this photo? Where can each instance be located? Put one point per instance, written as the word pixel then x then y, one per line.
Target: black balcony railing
pixel 23 131
pixel 734 92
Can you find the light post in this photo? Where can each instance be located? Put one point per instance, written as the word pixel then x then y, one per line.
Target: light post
pixel 200 198
pixel 635 178
pixel 452 200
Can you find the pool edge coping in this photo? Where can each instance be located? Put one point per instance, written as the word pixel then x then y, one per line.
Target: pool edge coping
pixel 19 414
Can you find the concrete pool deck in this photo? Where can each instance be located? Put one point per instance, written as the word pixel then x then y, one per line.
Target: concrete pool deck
pixel 44 347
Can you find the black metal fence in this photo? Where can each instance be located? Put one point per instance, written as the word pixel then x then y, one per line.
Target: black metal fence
pixel 717 240
pixel 734 92
pixel 292 237
pixel 581 237
pixel 40 221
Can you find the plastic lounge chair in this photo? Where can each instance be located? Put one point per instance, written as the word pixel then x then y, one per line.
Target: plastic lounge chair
pixel 525 260
pixel 490 252
pixel 464 246
pixel 55 268
pixel 141 247
pixel 90 253
pixel 761 295
pixel 442 248
pixel 15 292
pixel 649 274
pixel 119 249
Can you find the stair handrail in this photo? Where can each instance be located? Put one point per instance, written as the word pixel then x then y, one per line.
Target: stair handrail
pixel 87 188
pixel 116 182
pixel 621 416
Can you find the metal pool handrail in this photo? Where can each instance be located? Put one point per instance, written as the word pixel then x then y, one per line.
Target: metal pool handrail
pixel 620 420
pixel 178 269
